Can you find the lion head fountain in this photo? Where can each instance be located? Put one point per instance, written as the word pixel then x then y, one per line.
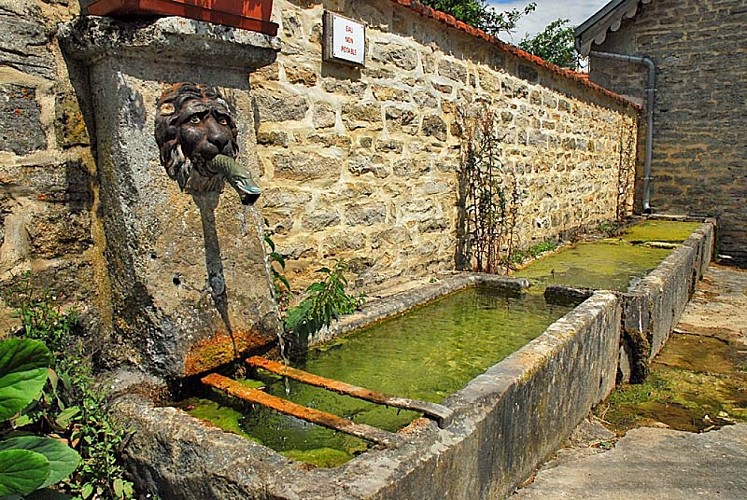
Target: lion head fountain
pixel 196 136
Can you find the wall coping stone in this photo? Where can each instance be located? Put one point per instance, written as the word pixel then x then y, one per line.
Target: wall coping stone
pixel 91 38
pixel 452 22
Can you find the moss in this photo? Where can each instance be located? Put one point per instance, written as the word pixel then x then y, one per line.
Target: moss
pixel 695 385
pixel 651 390
pixel 660 230
pixel 223 417
pixel 321 457
pixel 600 265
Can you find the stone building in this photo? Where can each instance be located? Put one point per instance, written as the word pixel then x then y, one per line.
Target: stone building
pixel 699 49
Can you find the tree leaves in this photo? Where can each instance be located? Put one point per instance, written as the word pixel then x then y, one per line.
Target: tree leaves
pixel 480 14
pixel 23 373
pixel 555 44
pixel 327 300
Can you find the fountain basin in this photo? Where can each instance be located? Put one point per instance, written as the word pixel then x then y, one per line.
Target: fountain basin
pixel 506 420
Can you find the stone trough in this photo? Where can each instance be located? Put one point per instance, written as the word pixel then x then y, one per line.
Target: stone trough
pixel 504 422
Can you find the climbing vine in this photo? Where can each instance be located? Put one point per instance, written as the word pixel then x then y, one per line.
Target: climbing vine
pixel 626 170
pixel 488 197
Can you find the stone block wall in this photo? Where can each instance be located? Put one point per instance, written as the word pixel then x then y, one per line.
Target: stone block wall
pixel 700 155
pixel 48 196
pixel 362 164
pixel 358 164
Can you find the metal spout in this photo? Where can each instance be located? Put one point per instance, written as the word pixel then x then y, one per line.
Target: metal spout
pixel 237 176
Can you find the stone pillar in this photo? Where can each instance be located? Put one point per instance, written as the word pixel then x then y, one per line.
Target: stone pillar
pixel 189 280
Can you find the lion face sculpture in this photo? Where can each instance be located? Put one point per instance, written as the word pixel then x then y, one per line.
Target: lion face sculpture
pixel 193 125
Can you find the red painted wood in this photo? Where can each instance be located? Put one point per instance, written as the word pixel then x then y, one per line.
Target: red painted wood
pixel 251 15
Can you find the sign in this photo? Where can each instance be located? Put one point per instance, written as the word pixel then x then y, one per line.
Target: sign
pixel 344 40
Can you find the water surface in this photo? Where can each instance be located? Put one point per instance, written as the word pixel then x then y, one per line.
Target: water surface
pixel 610 264
pixel 428 354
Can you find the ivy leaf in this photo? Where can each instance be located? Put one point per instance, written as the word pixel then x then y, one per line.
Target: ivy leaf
pixel 23 373
pixel 22 471
pixel 62 459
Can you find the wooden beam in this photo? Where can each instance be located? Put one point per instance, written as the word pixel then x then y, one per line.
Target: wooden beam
pixel 440 413
pixel 328 420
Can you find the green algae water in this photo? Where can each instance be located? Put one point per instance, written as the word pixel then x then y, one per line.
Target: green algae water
pixel 426 354
pixel 696 384
pixel 611 264
pixel 434 351
pixel 599 265
pixel 664 231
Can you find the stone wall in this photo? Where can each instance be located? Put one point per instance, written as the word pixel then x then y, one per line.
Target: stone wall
pixel 362 163
pixel 48 195
pixel 699 156
pixel 358 164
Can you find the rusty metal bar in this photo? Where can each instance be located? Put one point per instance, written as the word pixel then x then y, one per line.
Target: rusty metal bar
pixel 250 395
pixel 440 413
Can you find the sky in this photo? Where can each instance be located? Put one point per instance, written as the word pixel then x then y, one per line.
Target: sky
pixel 547 11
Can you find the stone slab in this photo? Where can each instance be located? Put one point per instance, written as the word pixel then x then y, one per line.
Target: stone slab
pixel 167 40
pixel 190 285
pixel 654 463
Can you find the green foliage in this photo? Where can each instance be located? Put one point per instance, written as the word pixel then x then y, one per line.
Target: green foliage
pixel 555 44
pixel 611 229
pixel 327 300
pixel 279 280
pixel 488 197
pixel 41 317
pixel 23 373
pixel 479 14
pixel 62 460
pixel 71 406
pixel 28 463
pixel 534 251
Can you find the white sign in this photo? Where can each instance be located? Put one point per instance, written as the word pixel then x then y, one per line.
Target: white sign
pixel 345 39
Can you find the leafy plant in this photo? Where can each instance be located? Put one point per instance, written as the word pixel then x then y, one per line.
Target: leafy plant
pixel 70 405
pixel 534 251
pixel 480 14
pixel 554 44
pixel 327 300
pixel 279 280
pixel 488 197
pixel 40 315
pixel 611 229
pixel 28 462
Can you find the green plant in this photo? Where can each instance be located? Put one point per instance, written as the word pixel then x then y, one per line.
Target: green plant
pixel 480 14
pixel 70 405
pixel 41 316
pixel 327 300
pixel 534 251
pixel 554 44
pixel 280 282
pixel 611 229
pixel 488 197
pixel 28 462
